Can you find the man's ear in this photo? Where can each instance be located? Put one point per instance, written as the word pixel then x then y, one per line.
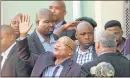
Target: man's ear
pixel 70 53
pixel 65 12
pixel 37 23
pixel 97 44
pixel 11 38
pixel 76 36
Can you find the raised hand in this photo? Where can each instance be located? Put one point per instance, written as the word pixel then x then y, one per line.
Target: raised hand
pixel 24 25
pixel 70 25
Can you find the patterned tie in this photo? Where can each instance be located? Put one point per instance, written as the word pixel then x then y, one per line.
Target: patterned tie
pixel 55 71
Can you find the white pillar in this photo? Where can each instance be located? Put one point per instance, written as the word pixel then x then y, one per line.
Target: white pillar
pixel 76 9
pixel 98 18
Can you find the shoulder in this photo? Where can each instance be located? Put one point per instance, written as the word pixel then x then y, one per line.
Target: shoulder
pixel 90 64
pixel 47 55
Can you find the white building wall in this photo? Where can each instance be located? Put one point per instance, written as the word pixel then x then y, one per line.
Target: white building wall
pixel 108 10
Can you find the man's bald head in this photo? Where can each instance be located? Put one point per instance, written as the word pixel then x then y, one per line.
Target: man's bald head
pixel 16 16
pixel 60 3
pixel 85 34
pixel 8 37
pixel 69 42
pixel 43 13
pixel 64 47
pixel 84 25
pixel 15 23
pixel 8 30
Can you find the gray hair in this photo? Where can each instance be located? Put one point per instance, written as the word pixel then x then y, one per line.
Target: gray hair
pixel 108 39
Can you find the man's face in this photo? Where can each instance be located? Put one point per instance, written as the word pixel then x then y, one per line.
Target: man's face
pixel 118 32
pixel 58 10
pixel 46 24
pixel 61 49
pixel 15 24
pixel 5 40
pixel 85 35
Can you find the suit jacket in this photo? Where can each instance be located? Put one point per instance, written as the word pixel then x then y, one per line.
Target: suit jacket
pixel 119 62
pixel 40 63
pixel 69 33
pixel 35 45
pixel 14 66
pixel 75 54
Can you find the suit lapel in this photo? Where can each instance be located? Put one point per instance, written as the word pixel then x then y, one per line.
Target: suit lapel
pixel 8 57
pixel 41 64
pixel 75 55
pixel 37 43
pixel 66 67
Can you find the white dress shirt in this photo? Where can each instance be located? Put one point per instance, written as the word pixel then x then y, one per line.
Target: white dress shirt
pixel 5 54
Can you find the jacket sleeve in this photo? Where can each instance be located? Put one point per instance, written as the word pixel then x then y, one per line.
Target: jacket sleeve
pixel 24 52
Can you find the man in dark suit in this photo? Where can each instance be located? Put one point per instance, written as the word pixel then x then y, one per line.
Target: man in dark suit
pixel 106 50
pixel 59 10
pixel 58 63
pixel 11 64
pixel 42 39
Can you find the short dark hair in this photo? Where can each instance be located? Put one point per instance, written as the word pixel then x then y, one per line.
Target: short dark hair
pixel 112 23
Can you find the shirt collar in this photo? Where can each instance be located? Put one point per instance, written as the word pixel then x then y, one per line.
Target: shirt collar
pixel 6 53
pixel 52 40
pixel 81 52
pixel 104 53
pixel 59 24
pixel 40 37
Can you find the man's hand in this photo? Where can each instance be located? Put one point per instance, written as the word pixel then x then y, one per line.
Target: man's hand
pixel 24 25
pixel 70 25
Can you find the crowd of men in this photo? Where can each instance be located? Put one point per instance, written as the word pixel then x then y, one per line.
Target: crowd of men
pixel 57 48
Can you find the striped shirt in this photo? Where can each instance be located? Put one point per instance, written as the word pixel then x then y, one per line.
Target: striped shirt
pixel 84 57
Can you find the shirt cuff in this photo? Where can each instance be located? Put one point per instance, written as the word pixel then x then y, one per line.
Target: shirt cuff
pixel 21 38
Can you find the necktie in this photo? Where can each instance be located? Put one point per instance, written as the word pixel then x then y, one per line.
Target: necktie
pixel 55 71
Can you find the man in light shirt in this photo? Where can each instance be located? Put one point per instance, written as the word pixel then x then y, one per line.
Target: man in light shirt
pixel 42 39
